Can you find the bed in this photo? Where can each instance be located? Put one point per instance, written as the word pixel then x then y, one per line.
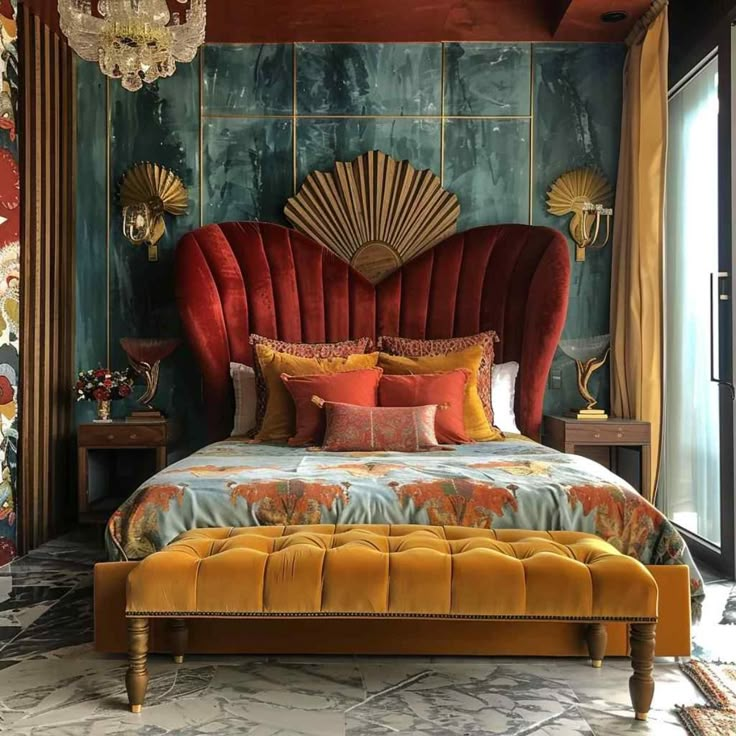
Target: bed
pixel 240 278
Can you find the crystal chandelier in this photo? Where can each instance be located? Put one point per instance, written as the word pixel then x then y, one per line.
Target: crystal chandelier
pixel 134 41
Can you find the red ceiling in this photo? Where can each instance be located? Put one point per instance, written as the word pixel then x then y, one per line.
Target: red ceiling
pixel 249 21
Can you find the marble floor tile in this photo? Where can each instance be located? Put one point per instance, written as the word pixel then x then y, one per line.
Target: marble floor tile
pixel 53 682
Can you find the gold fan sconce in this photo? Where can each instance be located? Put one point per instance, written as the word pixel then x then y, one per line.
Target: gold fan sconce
pixel 374 212
pixel 587 195
pixel 147 192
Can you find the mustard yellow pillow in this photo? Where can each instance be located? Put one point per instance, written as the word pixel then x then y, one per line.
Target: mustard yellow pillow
pixel 279 421
pixel 476 422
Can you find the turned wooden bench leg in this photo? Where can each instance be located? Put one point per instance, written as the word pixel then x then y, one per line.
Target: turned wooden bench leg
pixel 641 683
pixel 178 635
pixel 136 679
pixel 596 637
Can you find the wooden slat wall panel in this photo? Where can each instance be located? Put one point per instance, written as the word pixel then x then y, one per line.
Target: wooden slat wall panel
pixel 47 285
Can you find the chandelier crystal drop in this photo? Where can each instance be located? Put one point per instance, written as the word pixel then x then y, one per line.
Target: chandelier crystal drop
pixel 135 41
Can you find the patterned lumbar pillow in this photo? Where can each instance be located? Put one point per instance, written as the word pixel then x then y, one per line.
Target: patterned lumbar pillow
pixel 351 428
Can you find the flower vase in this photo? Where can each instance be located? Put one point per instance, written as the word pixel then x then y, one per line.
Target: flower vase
pixel 103 411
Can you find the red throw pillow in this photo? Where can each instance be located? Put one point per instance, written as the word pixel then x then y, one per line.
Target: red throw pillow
pixel 353 428
pixel 445 389
pixel 354 387
pixel 302 350
pixel 412 348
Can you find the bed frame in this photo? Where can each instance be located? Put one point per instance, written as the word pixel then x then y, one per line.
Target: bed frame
pixel 237 278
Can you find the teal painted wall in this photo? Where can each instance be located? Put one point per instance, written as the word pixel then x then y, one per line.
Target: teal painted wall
pixel 244 124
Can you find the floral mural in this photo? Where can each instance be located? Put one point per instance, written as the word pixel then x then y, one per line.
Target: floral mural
pixel 9 276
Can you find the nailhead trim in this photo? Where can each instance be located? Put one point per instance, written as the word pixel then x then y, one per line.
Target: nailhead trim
pixel 358 614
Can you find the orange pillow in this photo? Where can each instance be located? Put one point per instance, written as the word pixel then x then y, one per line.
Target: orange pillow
pixel 477 425
pixel 279 421
pixel 354 387
pixel 445 389
pixel 352 428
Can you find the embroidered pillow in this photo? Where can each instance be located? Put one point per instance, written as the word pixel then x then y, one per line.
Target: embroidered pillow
pixel 244 386
pixel 352 428
pixel 417 348
pixel 279 421
pixel 504 394
pixel 445 389
pixel 354 387
pixel 303 350
pixel 476 424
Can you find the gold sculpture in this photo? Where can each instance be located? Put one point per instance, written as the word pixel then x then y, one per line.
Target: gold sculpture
pixel 586 352
pixel 147 191
pixel 374 212
pixel 587 195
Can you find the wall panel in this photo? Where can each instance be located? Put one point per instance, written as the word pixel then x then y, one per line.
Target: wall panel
pixel 499 123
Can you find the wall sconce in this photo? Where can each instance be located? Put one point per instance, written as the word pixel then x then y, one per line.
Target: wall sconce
pixel 587 195
pixel 147 191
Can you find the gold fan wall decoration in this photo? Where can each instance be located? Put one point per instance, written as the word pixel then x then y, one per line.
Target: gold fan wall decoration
pixel 147 191
pixel 587 195
pixel 375 212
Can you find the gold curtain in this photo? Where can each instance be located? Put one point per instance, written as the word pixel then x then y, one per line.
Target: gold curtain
pixel 636 288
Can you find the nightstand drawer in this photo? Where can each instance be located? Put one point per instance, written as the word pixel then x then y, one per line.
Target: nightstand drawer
pixel 121 435
pixel 606 433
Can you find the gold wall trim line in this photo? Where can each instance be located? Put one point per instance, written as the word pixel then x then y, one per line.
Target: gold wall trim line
pixel 306 116
pixel 294 159
pixel 443 71
pixel 108 216
pixel 531 132
pixel 201 136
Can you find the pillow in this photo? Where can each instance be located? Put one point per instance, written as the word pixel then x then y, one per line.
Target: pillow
pixel 244 385
pixel 445 389
pixel 503 393
pixel 477 426
pixel 417 348
pixel 303 350
pixel 353 387
pixel 279 421
pixel 352 428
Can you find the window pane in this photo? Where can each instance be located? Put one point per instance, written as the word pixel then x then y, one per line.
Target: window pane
pixel 690 480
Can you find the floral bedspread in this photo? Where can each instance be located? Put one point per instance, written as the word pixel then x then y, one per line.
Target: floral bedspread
pixel 511 484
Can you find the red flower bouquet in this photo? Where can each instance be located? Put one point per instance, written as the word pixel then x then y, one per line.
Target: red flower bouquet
pixel 103 386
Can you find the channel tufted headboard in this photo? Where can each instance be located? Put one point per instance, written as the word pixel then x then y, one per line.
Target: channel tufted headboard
pixel 241 277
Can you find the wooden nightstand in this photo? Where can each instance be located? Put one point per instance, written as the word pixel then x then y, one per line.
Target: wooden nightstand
pixel 568 434
pixel 114 459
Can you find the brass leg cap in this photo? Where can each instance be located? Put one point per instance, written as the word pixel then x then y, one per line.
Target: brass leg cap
pixel 136 708
pixel 597 663
pixel 178 658
pixel 641 716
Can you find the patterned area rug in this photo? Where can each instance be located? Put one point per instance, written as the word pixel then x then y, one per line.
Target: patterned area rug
pixel 718 683
pixel 729 612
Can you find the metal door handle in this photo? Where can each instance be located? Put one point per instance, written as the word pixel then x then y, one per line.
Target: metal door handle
pixel 721 297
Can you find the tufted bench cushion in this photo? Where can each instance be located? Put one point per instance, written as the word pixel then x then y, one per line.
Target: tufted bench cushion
pixel 394 571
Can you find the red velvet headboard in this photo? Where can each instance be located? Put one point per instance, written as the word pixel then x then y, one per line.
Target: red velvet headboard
pixel 242 277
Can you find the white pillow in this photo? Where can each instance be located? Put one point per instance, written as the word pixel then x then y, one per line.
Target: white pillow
pixel 244 383
pixel 503 391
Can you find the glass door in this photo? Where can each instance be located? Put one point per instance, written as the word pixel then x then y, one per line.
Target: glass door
pixel 696 470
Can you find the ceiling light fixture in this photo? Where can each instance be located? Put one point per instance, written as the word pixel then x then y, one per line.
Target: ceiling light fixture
pixel 614 16
pixel 135 41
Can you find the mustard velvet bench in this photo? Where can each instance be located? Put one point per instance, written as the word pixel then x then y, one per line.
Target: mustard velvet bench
pixel 396 572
